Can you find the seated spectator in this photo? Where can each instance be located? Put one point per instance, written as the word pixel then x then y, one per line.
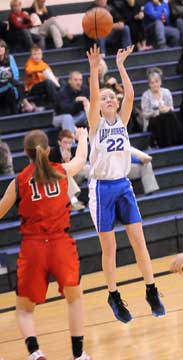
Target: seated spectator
pixel 9 76
pixel 176 8
pixel 72 103
pixel 6 162
pixel 62 153
pixel 39 78
pixel 158 115
pixel 133 13
pixel 179 67
pixel 49 25
pixel 157 24
pixel 21 25
pixel 141 167
pixel 119 37
pixel 4 28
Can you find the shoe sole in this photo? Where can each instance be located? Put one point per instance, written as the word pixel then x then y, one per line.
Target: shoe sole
pixel 118 318
pixel 154 314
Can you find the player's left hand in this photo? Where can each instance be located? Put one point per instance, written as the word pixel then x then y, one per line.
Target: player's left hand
pixel 80 132
pixel 94 56
pixel 122 54
pixel 177 264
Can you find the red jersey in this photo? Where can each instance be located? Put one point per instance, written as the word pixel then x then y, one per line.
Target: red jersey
pixel 19 21
pixel 43 209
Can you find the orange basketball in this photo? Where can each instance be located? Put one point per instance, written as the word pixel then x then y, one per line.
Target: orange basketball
pixel 97 23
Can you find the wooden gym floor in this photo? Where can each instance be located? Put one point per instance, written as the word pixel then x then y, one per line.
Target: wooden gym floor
pixel 145 338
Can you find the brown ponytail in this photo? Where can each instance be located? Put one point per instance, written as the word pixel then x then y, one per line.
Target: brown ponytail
pixel 36 147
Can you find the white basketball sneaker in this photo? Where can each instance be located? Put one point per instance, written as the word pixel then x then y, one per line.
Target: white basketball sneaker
pixel 37 355
pixel 83 356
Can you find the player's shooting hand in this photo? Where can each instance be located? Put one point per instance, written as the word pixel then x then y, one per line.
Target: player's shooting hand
pixel 94 56
pixel 122 54
pixel 177 264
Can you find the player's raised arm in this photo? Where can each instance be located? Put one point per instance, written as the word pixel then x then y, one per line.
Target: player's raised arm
pixel 127 103
pixel 8 199
pixel 78 161
pixel 94 58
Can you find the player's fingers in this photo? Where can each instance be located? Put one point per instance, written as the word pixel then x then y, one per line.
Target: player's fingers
pixel 98 50
pixel 95 48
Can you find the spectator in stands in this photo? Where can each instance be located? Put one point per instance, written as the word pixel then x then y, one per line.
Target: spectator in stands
pixel 158 114
pixel 119 37
pixel 179 70
pixel 4 27
pixel 21 25
pixel 40 79
pixel 50 25
pixel 176 8
pixel 6 162
pixel 61 153
pixel 157 24
pixel 9 76
pixel 72 103
pixel 141 167
pixel 133 14
pixel 179 67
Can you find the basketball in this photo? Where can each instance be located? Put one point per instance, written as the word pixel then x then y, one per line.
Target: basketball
pixel 97 23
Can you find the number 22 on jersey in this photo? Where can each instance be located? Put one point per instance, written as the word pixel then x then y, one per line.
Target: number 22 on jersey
pixel 115 145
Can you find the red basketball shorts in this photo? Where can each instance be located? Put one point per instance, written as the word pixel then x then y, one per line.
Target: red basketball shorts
pixel 38 258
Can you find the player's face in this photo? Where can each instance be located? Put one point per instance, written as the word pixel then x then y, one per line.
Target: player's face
pixel 65 143
pixel 76 81
pixel 36 55
pixel 155 83
pixel 108 101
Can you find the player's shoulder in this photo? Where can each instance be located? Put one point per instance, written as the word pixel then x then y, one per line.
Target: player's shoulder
pixel 27 170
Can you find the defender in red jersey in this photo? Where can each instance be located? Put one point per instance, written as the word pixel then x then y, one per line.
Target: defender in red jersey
pixel 46 247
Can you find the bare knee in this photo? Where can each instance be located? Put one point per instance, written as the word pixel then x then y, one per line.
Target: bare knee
pixel 24 305
pixel 72 293
pixel 108 244
pixel 136 236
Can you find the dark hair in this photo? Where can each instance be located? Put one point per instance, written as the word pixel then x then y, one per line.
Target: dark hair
pixel 6 55
pixel 65 133
pixel 36 147
pixel 35 47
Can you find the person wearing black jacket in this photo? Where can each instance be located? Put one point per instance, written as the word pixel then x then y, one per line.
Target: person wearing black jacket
pixel 72 103
pixel 176 10
pixel 61 153
pixel 120 35
pixel 133 14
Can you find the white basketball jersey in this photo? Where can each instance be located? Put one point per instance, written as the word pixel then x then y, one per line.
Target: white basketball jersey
pixel 110 155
